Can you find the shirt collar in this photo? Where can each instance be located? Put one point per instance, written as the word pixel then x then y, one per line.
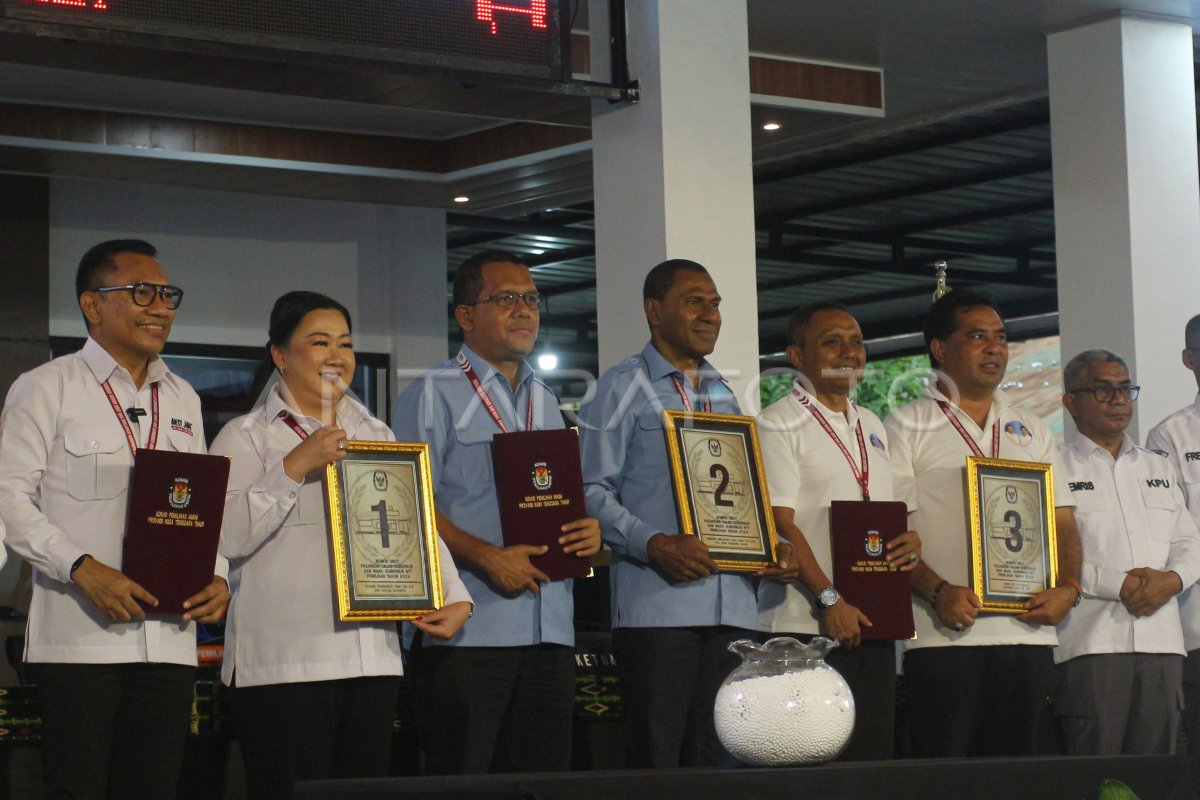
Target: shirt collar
pixel 487 372
pixel 659 367
pixel 851 415
pixel 1087 447
pixel 103 365
pixel 350 413
pixel 1000 402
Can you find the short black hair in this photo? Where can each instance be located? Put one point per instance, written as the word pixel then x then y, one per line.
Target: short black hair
pixel 942 319
pixel 661 278
pixel 98 261
pixel 468 278
pixel 800 318
pixel 1191 332
pixel 286 316
pixel 293 307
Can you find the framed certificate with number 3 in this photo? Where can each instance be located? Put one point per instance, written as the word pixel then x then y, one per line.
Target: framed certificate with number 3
pixel 720 487
pixel 1014 547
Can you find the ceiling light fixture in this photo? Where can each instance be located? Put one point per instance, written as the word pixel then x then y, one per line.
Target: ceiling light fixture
pixel 462 198
pixel 771 126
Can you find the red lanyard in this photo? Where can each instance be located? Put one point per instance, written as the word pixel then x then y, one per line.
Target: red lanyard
pixel 863 477
pixel 152 439
pixel 291 423
pixel 958 426
pixel 487 398
pixel 687 404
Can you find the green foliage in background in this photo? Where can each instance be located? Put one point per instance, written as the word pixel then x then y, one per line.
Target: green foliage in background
pixel 888 384
pixel 1115 790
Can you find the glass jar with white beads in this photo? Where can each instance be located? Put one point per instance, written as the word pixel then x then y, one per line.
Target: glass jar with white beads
pixel 784 705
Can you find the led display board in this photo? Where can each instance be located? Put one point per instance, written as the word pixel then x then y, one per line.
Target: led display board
pixel 518 37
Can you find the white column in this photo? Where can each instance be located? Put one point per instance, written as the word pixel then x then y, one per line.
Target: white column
pixel 673 176
pixel 403 289
pixel 1126 199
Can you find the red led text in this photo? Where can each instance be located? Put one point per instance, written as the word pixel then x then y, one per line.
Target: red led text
pixel 95 5
pixel 485 11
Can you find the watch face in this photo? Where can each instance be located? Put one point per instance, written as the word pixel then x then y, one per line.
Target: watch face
pixel 828 597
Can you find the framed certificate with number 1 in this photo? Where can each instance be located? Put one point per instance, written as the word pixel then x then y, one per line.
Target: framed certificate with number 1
pixel 720 487
pixel 379 499
pixel 1014 547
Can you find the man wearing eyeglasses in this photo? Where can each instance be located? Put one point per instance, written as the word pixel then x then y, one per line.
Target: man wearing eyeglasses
pixel 115 686
pixel 499 696
pixel 1178 438
pixel 1120 653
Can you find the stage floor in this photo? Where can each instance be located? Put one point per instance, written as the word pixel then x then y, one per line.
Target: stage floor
pixel 1060 778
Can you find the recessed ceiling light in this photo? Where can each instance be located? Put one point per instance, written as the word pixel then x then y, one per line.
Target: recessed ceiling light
pixel 771 126
pixel 538 252
pixel 462 198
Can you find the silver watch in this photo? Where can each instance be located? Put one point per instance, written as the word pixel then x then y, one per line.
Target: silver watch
pixel 828 597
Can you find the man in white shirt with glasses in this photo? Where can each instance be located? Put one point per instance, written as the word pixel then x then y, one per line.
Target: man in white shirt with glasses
pixel 115 685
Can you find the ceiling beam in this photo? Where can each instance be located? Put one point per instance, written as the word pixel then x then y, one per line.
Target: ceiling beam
pixel 818 163
pixel 836 236
pixel 976 216
pixel 1016 169
pixel 916 267
pixel 513 227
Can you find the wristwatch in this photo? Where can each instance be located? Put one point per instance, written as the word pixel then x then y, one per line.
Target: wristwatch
pixel 828 597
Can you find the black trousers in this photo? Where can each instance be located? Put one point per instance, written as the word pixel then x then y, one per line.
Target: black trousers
pixel 495 709
pixel 113 730
pixel 978 701
pixel 870 670
pixel 291 732
pixel 669 682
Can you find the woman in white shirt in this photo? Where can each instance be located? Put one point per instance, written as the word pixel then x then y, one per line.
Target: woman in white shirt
pixel 314 697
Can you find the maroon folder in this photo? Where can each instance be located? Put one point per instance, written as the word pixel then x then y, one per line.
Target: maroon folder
pixel 858 534
pixel 539 482
pixel 176 502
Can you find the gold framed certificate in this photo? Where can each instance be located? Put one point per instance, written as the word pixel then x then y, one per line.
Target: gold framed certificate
pixel 379 500
pixel 720 487
pixel 1014 545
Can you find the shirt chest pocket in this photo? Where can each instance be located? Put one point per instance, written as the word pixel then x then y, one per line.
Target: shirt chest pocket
pixel 1089 501
pixel 473 454
pixel 310 504
pixel 648 448
pixel 178 441
pixel 1161 505
pixel 97 464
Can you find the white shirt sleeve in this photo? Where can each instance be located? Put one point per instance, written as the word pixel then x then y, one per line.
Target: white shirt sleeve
pixel 259 496
pixel 27 431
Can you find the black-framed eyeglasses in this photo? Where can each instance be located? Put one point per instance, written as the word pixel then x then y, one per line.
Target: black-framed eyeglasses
pixel 509 299
pixel 144 293
pixel 1106 394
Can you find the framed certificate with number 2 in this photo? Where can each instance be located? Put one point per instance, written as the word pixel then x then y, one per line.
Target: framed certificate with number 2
pixel 720 487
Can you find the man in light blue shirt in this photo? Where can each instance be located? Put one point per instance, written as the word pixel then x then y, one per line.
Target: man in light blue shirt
pixel 673 614
pixel 499 695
